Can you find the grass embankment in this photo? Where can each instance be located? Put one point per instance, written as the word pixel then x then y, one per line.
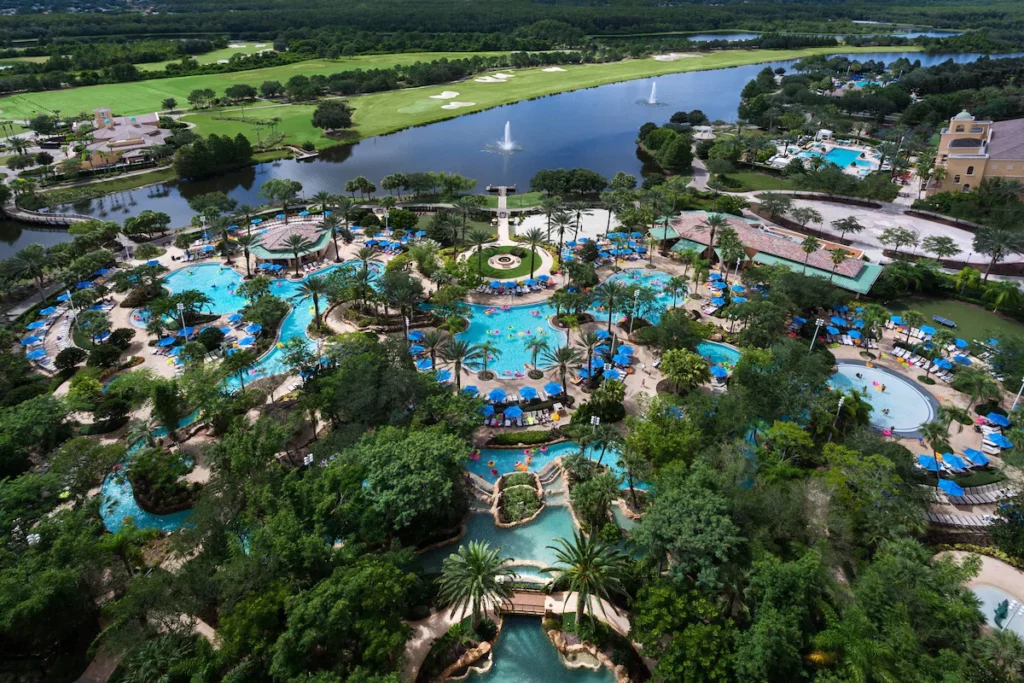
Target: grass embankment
pixel 472 225
pixel 516 201
pixel 79 193
pixel 973 322
pixel 752 181
pixel 142 97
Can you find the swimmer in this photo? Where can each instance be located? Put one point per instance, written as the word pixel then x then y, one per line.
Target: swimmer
pixel 885 411
pixel 859 376
pixel 883 388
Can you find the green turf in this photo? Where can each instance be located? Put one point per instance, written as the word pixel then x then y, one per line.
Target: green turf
pixel 491 230
pixel 522 270
pixel 973 322
pixel 515 201
pixel 216 55
pixel 752 180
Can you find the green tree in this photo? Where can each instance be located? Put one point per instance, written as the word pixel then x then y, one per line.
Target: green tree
pixel 533 237
pixel 461 354
pixel 713 222
pixel 809 245
pixel 561 359
pixel 239 361
pixel 589 568
pixel 686 369
pixel 476 578
pixel 281 191
pixel 610 295
pixel 976 384
pixel 312 288
pixel 297 244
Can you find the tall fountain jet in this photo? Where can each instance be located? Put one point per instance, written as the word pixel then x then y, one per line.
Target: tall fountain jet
pixel 506 145
pixel 652 100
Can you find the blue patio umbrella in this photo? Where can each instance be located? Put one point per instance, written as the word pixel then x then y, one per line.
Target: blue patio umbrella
pixel 553 389
pixel 256 221
pixel 640 250
pixel 962 360
pixel 187 332
pixel 471 390
pixel 602 333
pixel 487 410
pixel 444 375
pixel 842 309
pixel 718 301
pixel 896 320
pixel 928 462
pixel 854 334
pixel 495 285
pixel 28 341
pixel 832 330
pixel 625 349
pixel 371 242
pixel 636 234
pixel 612 374
pixel 154 262
pixel 421 233
pixel 1000 440
pixel 416 335
pixel 582 373
pixel 927 329
pixel 513 412
pixel 954 461
pixel 858 323
pixel 993 342
pixel 950 487
pixel 175 351
pixel 49 310
pixel 715 276
pixel 424 364
pixel 530 282
pixel 280 216
pixel 571 244
pixel 719 371
pixel 235 317
pixel 597 362
pixel 528 393
pixel 961 343
pixel 621 359
pixel 166 341
pixel 416 349
pixel 225 330
pixel 944 364
pixel 232 227
pixel 838 322
pixel 101 272
pixel 247 341
pixel 508 284
pixel 859 309
pixel 739 299
pixel 496 395
pixel 617 235
pixel 543 278
pixel 604 254
pixel 208 248
pixel 582 239
pixel 83 285
pixel 800 321
pixel 602 349
pixel 254 328
pixel 303 213
pixel 739 288
pixel 96 307
pixel 36 325
pixel 976 456
pixel 717 285
pixel 35 355
pixel 997 419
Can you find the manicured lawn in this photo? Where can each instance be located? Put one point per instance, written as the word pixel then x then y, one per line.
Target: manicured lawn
pixel 762 181
pixel 973 322
pixel 249 47
pixel 515 201
pixel 491 230
pixel 522 270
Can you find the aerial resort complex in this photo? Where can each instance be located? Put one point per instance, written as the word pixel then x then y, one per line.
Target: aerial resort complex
pixel 420 342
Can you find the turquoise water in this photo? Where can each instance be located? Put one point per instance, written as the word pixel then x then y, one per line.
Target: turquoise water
pixel 719 354
pixel 524 654
pixel 907 405
pixel 504 459
pixel 990 597
pixel 511 330
pixel 649 279
pixel 217 282
pixel 841 157
pixel 140 318
pixel 523 542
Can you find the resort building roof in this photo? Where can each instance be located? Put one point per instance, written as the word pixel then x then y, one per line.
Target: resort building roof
pixel 273 244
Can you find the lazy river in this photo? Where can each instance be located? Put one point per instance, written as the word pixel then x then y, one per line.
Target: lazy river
pixel 524 654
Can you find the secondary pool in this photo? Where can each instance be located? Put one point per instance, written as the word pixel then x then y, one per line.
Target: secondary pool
pixel 654 280
pixel 215 281
pixel 990 597
pixel 510 329
pixel 524 654
pixel 902 406
pixel 494 462
pixel 719 354
pixel 524 542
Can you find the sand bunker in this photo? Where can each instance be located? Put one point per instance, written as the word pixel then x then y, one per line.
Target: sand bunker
pixel 457 105
pixel 261 44
pixel 235 46
pixel 496 78
pixel 553 69
pixel 222 61
pixel 446 95
pixel 674 56
pixel 504 75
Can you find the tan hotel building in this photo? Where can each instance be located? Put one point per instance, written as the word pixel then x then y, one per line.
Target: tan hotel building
pixel 972 150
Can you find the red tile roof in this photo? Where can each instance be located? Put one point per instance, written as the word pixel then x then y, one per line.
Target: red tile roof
pixel 687 226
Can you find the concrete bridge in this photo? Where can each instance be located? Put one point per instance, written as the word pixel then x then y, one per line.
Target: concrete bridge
pixel 57 220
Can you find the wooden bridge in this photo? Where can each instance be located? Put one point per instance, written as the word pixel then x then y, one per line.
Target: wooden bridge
pixel 57 220
pixel 526 602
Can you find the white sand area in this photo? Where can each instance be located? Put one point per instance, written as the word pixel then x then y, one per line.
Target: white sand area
pixel 504 75
pixel 261 44
pixel 446 95
pixel 674 56
pixel 236 46
pixel 553 69
pixel 593 224
pixel 222 61
pixel 495 78
pixel 457 105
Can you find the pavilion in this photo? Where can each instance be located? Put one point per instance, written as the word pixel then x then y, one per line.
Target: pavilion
pixel 273 245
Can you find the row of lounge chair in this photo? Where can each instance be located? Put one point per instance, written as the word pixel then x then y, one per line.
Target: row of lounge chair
pixel 534 417
pixel 518 290
pixel 982 495
pixel 976 522
pixel 923 363
pixel 315 265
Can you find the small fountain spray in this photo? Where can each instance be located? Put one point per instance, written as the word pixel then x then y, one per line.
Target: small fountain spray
pixel 506 145
pixel 652 99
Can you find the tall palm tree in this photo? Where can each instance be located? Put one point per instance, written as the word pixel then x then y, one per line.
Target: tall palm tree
pixel 478 238
pixel 587 343
pixel 488 351
pixel 460 354
pixel 549 206
pixel 809 245
pixel 996 242
pixel 365 255
pixel 245 214
pixel 713 222
pixel 838 256
pixel 332 223
pixel 246 242
pixel 976 383
pixel 606 435
pixel 466 205
pixel 701 269
pixel 588 568
pixel 475 577
pixel 912 319
pixel 297 244
pixel 676 285
pixel 31 262
pixel 534 237
pixel 312 288
pixel 1003 292
pixel 578 210
pixel 652 244
pixel 537 346
pixel 561 359
pixel 434 342
pixel 563 222
pixel 323 199
pixel 610 295
pixel 612 202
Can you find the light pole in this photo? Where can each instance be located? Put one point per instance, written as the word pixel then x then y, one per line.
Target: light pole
pixel 594 421
pixel 736 273
pixel 839 410
pixel 181 316
pixel 632 314
pixel 817 326
pixel 1017 397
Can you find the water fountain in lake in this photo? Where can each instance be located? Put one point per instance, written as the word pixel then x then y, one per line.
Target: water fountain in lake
pixel 506 145
pixel 652 99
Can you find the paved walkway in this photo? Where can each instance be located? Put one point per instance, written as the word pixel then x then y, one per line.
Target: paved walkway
pixel 994 573
pixel 700 175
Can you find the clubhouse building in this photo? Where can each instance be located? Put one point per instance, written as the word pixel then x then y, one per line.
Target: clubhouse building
pixel 971 150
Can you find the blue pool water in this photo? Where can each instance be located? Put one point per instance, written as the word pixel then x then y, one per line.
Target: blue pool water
pixel 908 406
pixel 524 654
pixel 719 354
pixel 140 318
pixel 217 282
pixel 841 157
pixel 649 279
pixel 511 330
pixel 990 597
pixel 504 460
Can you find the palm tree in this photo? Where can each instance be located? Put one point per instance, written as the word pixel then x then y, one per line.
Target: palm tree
pixel 912 319
pixel 578 210
pixel 838 256
pixel 332 223
pixel 976 383
pixel 475 577
pixel 588 568
pixel 676 284
pixel 548 206
pixel 562 221
pixel 434 342
pixel 313 288
pixel 323 199
pixel 967 277
pixel 714 222
pixel 561 359
pixel 701 269
pixel 239 361
pixel 996 242
pixel 606 435
pixel 478 238
pixel 533 237
pixel 933 432
pixel 460 353
pixel 465 205
pixel 587 343
pixel 1003 292
pixel 245 242
pixel 610 295
pixel 365 255
pixel 537 346
pixel 297 244
pixel 31 262
pixel 245 213
pixel 809 246
pixel 612 202
pixel 488 351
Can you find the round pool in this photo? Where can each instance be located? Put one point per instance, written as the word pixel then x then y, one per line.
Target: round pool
pixel 511 329
pixel 215 281
pixel 902 406
pixel 140 318
pixel 719 354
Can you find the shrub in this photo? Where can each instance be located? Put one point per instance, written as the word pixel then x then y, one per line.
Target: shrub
pixel 523 438
pixel 121 337
pixel 155 477
pixel 610 533
pixel 518 479
pixel 519 503
pixel 69 358
pixel 104 356
pixel 147 251
pixel 486 629
pixel 211 338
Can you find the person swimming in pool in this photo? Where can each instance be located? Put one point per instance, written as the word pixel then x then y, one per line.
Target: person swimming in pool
pixel 885 411
pixel 859 376
pixel 883 388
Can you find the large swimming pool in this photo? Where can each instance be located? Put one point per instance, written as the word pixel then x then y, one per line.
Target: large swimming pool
pixel 511 328
pixel 901 407
pixel 492 463
pixel 524 654
pixel 215 281
pixel 843 157
pixel 655 280
pixel 719 354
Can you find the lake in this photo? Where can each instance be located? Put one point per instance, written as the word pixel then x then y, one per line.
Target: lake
pixel 14 235
pixel 593 128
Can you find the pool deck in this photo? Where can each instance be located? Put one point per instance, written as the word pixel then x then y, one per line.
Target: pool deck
pixel 933 403
pixel 993 573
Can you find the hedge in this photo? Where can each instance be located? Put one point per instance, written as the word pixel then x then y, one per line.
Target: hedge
pixel 529 437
